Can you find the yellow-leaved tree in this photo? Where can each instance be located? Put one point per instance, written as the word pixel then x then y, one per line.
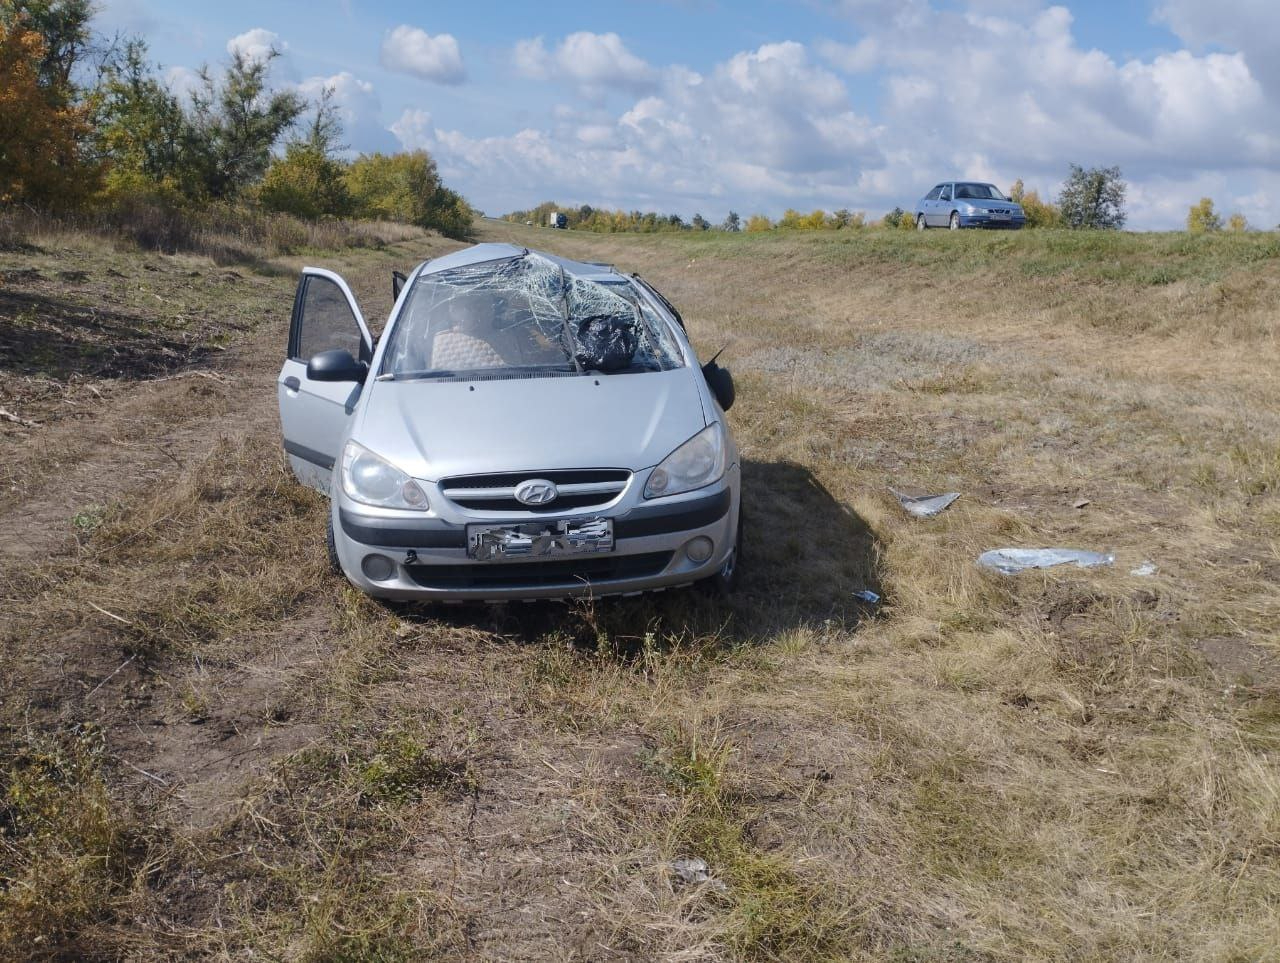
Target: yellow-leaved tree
pixel 1039 213
pixel 40 131
pixel 1202 218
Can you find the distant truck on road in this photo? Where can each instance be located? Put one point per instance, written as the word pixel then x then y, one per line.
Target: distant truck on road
pixel 557 219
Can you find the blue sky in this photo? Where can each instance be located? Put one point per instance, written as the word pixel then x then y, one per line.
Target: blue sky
pixel 707 105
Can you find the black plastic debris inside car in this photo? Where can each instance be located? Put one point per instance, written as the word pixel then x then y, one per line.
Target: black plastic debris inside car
pixel 606 342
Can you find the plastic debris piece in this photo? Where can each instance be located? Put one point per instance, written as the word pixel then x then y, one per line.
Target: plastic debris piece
pixel 1010 561
pixel 694 872
pixel 924 506
pixel 606 342
pixel 1145 569
pixel 867 596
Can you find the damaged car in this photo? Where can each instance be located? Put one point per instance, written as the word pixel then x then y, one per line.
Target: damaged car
pixel 525 427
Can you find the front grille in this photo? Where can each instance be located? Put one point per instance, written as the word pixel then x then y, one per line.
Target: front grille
pixel 558 573
pixel 580 488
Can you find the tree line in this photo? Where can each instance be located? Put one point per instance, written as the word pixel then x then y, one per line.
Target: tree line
pixel 1090 199
pixel 88 123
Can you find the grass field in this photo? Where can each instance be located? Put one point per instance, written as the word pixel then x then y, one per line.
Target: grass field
pixel 214 749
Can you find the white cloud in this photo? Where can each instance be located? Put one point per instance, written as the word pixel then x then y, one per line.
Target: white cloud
pixel 414 130
pixel 256 44
pixel 1013 94
pixel 764 125
pixel 853 58
pixel 1249 26
pixel 412 51
pixel 592 61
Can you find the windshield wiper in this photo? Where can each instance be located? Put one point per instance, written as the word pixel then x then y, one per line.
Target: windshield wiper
pixel 416 375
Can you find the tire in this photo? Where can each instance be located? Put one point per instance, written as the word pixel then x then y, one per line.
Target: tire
pixel 921 224
pixel 331 547
pixel 955 221
pixel 723 583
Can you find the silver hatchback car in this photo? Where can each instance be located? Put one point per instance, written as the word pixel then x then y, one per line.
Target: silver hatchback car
pixel 526 427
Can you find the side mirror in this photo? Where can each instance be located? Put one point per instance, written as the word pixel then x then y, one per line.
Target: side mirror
pixel 336 366
pixel 721 384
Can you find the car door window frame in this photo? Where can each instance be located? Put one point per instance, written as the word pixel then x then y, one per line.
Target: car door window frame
pixel 946 193
pixel 309 275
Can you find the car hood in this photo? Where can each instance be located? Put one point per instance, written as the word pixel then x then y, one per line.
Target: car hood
pixel 437 429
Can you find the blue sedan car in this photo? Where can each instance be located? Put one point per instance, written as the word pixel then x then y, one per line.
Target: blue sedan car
pixel 957 204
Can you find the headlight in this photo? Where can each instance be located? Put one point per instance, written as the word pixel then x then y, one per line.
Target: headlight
pixel 698 462
pixel 371 480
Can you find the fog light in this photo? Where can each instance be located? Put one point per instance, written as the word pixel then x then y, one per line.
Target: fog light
pixel 699 549
pixel 379 568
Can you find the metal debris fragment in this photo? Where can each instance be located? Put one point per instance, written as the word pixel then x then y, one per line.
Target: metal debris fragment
pixel 1010 561
pixel 924 506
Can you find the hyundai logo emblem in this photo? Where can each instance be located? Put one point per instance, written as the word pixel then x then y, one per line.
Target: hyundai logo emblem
pixel 536 491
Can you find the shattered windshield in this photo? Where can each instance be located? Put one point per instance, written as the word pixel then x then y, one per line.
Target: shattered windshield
pixel 524 316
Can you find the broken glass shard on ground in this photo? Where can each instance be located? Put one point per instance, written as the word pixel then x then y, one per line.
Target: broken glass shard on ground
pixel 924 506
pixel 1010 561
pixel 1144 570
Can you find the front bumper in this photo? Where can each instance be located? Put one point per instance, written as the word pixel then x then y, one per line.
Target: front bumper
pixel 990 221
pixel 429 559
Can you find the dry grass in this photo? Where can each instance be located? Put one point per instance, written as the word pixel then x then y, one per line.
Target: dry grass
pixel 1062 765
pixel 228 234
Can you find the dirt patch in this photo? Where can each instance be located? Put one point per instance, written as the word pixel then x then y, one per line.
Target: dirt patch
pixel 1237 660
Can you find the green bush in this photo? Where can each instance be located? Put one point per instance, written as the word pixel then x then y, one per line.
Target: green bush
pixel 305 183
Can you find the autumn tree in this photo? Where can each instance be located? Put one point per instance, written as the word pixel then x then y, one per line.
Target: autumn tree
pixel 41 129
pixel 1202 218
pixel 1237 223
pixel 407 187
pixel 63 29
pixel 1038 213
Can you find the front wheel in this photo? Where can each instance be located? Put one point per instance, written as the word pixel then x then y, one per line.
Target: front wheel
pixel 955 221
pixel 920 223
